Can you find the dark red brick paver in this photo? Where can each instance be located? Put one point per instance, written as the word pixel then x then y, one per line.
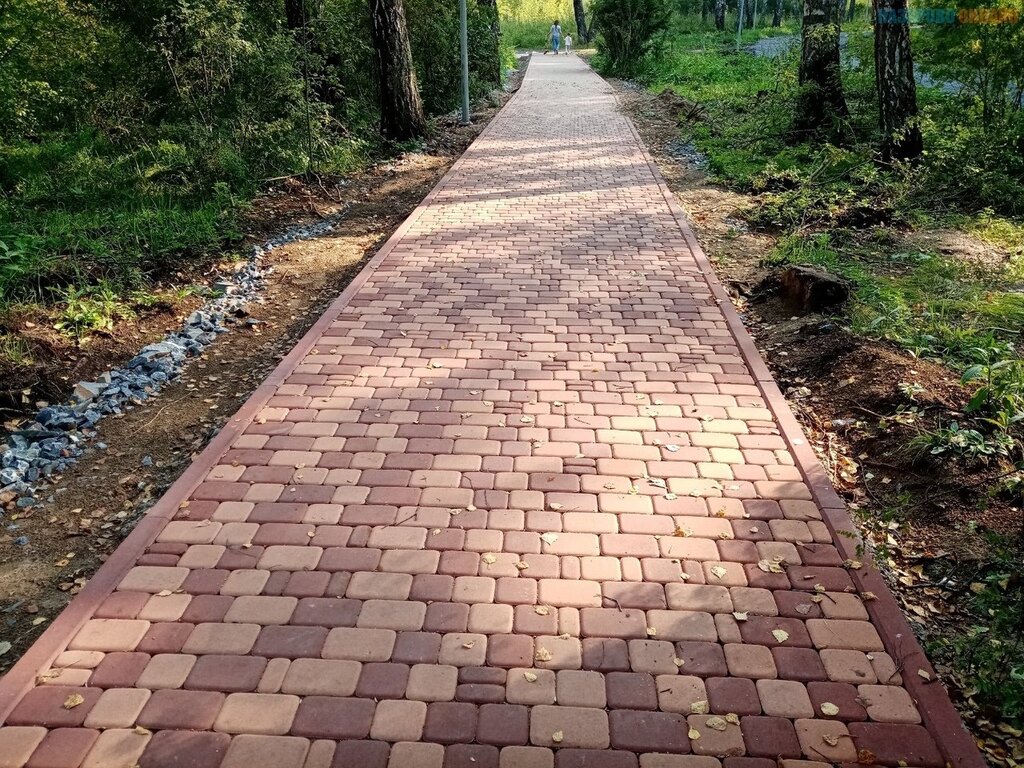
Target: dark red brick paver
pixel 524 498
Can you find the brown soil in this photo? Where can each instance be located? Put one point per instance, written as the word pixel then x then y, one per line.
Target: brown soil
pixel 862 404
pixel 90 510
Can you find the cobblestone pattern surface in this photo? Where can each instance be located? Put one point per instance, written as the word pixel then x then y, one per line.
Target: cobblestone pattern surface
pixel 522 505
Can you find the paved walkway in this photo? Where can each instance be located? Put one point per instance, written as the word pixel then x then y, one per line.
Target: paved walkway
pixel 524 497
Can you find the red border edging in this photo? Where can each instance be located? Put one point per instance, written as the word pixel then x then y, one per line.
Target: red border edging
pixel 940 716
pixel 41 654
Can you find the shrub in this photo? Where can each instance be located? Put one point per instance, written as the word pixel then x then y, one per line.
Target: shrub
pixel 629 31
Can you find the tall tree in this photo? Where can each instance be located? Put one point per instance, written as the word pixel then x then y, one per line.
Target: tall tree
pixel 851 10
pixel 720 15
pixel 777 13
pixel 705 7
pixel 821 102
pixel 894 81
pixel 401 112
pixel 581 21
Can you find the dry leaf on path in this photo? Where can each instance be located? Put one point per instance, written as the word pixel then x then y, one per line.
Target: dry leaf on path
pixel 829 709
pixel 780 634
pixel 73 701
pixel 557 737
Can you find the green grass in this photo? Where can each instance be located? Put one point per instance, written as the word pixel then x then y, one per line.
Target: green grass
pixel 937 307
pixel 528 35
pixel 78 212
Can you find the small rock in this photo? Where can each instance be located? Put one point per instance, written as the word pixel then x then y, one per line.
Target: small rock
pixel 88 390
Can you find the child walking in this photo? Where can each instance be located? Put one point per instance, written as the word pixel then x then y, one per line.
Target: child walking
pixel 568 44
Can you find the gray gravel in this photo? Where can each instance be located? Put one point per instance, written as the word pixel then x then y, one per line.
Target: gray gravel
pixel 59 434
pixel 685 152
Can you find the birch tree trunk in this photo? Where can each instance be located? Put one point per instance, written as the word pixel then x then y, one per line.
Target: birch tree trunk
pixel 894 81
pixel 821 103
pixel 720 15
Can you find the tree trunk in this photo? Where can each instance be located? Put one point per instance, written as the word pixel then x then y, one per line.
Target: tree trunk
pixel 720 15
pixel 748 12
pixel 704 7
pixel 894 81
pixel 777 13
pixel 581 21
pixel 851 10
pixel 821 103
pixel 489 8
pixel 401 112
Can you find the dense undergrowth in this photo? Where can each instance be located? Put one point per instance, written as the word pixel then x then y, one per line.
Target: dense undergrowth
pixel 832 204
pixel 132 135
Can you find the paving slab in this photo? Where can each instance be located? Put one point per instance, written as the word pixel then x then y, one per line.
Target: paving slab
pixel 525 495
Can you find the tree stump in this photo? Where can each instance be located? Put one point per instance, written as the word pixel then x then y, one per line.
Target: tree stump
pixel 814 290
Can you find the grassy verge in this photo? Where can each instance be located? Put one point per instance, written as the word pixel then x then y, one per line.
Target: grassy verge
pixel 80 215
pixel 935 255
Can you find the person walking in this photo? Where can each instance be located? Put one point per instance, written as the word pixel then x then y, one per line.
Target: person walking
pixel 555 35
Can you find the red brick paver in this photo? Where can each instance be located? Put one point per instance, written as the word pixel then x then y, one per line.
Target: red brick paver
pixel 524 497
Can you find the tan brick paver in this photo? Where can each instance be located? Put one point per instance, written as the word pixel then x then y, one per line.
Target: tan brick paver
pixel 524 502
